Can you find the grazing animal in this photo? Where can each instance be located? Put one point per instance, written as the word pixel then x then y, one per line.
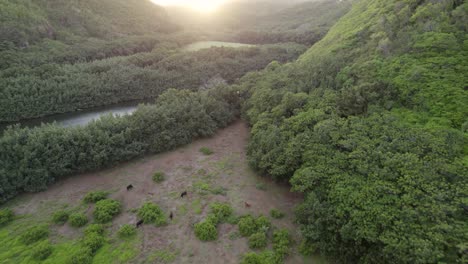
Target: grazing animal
pixel 129 187
pixel 171 216
pixel 183 194
pixel 139 223
pixel 247 204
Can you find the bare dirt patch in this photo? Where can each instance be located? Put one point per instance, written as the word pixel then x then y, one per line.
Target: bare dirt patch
pixel 222 176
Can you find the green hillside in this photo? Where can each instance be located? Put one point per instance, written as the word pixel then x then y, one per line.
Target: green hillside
pixel 371 124
pixel 25 22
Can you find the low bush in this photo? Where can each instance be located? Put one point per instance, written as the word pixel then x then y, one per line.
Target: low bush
pixel 34 234
pixel 266 257
pixel 206 231
pixel 151 213
pixel 106 210
pixel 258 240
pixel 263 224
pixel 96 196
pixel 82 256
pixel 60 217
pixel 213 219
pixel 41 251
pixel 94 242
pixel 307 249
pixel 127 231
pixel 206 151
pixel 6 216
pixel 158 177
pixel 221 210
pixel 276 214
pixel 247 226
pixel 78 219
pixel 281 243
pixel 94 228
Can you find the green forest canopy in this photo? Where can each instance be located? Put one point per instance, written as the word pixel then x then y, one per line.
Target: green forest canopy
pixel 371 124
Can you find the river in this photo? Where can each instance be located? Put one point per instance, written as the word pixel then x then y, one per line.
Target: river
pixel 79 118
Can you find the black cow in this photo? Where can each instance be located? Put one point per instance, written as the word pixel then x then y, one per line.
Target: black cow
pixel 171 216
pixel 183 194
pixel 129 187
pixel 139 223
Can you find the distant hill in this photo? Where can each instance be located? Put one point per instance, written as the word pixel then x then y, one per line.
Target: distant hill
pixel 263 22
pixel 24 22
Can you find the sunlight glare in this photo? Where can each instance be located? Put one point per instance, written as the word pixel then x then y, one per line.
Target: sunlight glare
pixel 205 6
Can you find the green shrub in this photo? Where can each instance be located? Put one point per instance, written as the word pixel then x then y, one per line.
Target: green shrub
pixel 158 177
pixel 78 220
pixel 41 251
pixel 106 210
pixel 96 196
pixel 127 231
pixel 258 240
pixel 276 214
pixel 6 216
pixel 213 219
pixel 34 234
pixel 82 256
pixel 221 210
pixel 266 257
pixel 151 213
pixel 262 223
pixel 60 217
pixel 94 228
pixel 94 242
pixel 247 226
pixel 307 249
pixel 206 231
pixel 281 243
pixel 206 151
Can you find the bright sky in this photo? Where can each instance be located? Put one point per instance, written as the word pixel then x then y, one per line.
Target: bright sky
pixel 199 5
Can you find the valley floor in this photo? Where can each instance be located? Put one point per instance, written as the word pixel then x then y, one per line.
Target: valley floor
pixel 222 176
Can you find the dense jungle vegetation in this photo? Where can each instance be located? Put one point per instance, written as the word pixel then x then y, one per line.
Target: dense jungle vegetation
pixel 50 88
pixel 33 158
pixel 371 125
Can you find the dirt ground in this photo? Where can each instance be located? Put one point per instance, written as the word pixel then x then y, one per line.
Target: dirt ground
pixel 186 169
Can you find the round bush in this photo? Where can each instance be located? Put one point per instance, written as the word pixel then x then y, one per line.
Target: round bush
pixel 34 234
pixel 96 196
pixel 221 210
pixel 258 240
pixel 78 220
pixel 281 242
pixel 82 256
pixel 94 228
pixel 127 231
pixel 6 216
pixel 276 214
pixel 212 218
pixel 262 223
pixel 158 177
pixel 151 213
pixel 106 210
pixel 41 251
pixel 206 231
pixel 247 226
pixel 94 242
pixel 60 217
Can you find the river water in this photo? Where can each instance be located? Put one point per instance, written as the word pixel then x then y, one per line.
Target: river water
pixel 79 118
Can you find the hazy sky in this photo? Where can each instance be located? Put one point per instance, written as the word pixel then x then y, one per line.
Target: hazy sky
pixel 200 5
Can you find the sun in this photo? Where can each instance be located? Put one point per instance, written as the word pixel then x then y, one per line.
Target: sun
pixel 203 6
